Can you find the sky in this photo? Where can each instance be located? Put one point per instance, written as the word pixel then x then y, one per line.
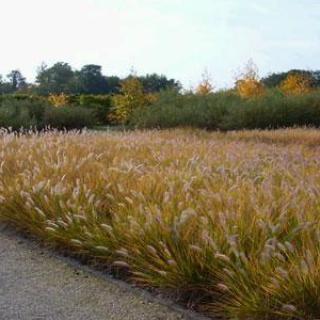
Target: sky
pixel 178 38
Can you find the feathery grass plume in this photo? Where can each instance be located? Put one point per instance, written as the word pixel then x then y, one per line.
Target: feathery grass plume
pixel 52 224
pixel 80 217
pixel 40 212
pixel 289 308
pixel 121 264
pixel 195 248
pixel 122 252
pixel 171 262
pixel 107 228
pixel 62 224
pixel 222 287
pixel 102 249
pixel 76 242
pixel 152 250
pixel 222 257
pixel 162 273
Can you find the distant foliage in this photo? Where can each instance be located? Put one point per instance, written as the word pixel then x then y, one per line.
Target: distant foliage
pixel 248 83
pixel 296 84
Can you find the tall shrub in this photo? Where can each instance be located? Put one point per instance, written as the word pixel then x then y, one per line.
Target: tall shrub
pixel 296 84
pixel 205 87
pixel 131 97
pixel 248 84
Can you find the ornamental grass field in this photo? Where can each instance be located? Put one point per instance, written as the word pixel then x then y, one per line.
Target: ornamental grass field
pixel 226 222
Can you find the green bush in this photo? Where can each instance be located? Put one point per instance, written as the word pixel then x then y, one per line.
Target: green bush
pixel 21 97
pixel 15 119
pixel 25 112
pixel 275 111
pixel 69 118
pixel 227 111
pixel 173 110
pixel 99 104
pixel 21 112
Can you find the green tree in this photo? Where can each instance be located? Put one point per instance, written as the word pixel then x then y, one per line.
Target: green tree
pixel 59 78
pixel 16 80
pixel 91 80
pixel 156 83
pixel 113 84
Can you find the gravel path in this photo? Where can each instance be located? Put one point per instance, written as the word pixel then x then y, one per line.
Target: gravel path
pixel 36 284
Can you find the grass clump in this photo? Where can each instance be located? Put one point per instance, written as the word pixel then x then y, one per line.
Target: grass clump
pixel 229 222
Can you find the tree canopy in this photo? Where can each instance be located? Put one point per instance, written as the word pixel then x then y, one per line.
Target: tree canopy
pixel 57 79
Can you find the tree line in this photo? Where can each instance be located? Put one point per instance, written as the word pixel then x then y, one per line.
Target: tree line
pixel 62 78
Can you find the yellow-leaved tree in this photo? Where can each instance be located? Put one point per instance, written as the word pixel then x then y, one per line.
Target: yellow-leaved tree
pixel 296 84
pixel 205 87
pixel 131 97
pixel 58 100
pixel 248 83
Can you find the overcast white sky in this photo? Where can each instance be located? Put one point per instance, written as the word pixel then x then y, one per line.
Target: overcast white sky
pixel 179 38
